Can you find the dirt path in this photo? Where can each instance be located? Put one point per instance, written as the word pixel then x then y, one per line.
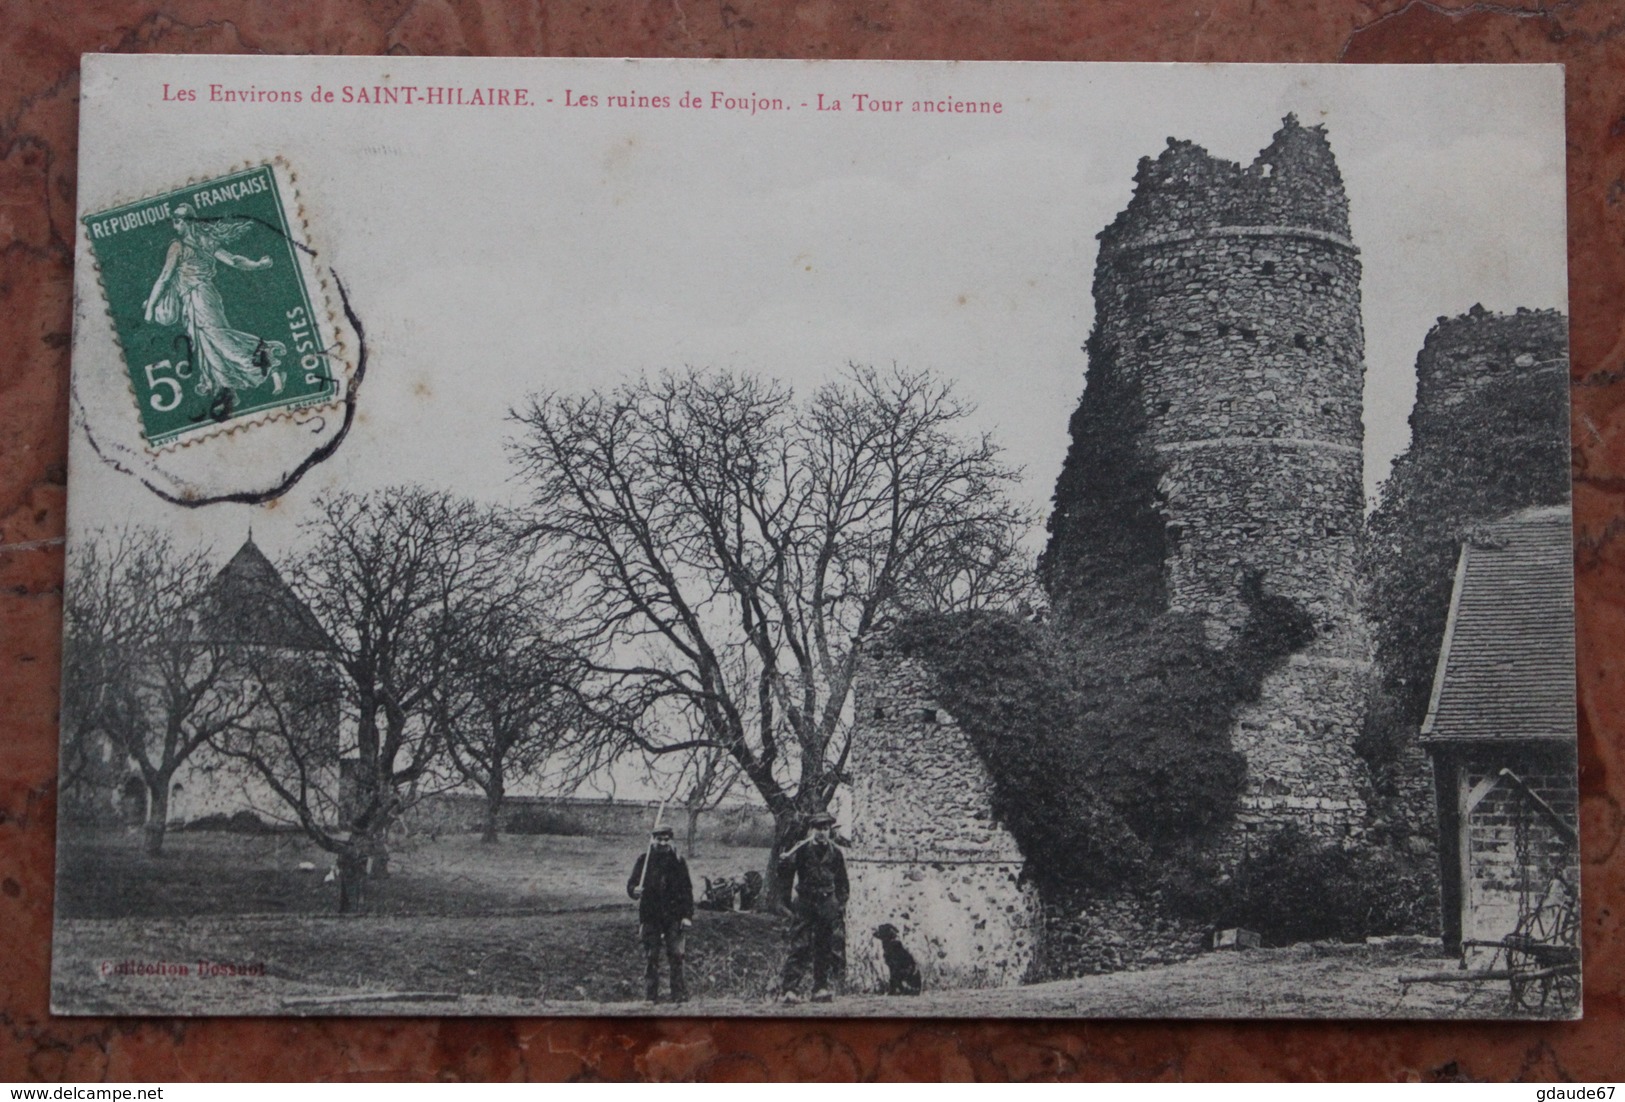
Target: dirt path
pixel 1311 981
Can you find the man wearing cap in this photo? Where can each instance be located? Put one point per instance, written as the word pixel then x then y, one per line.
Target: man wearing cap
pixel 818 869
pixel 665 895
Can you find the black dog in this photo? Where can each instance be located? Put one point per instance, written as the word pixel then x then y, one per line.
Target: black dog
pixel 905 974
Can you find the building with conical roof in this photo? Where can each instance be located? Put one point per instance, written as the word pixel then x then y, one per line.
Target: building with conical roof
pixel 249 603
pixel 252 626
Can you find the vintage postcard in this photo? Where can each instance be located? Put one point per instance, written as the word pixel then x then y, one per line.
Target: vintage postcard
pixel 582 537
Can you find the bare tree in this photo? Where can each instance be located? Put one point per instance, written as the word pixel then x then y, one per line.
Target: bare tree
pixel 142 668
pixel 708 776
pixel 350 744
pixel 511 699
pixel 717 524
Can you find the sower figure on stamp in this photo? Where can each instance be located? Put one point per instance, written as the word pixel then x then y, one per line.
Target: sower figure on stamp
pixel 818 937
pixel 187 294
pixel 665 894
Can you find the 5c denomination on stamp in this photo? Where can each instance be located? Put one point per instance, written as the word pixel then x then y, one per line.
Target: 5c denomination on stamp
pixel 220 313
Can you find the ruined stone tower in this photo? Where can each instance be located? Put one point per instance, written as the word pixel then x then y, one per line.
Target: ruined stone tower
pixel 1488 439
pixel 1467 356
pixel 926 854
pixel 1220 438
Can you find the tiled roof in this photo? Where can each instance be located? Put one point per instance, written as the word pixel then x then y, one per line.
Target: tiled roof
pixel 1506 669
pixel 249 602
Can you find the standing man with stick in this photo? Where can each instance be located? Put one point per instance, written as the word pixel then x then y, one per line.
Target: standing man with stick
pixel 665 894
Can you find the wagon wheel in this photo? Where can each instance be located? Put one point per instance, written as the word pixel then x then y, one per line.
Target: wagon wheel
pixel 1546 940
pixel 1562 990
pixel 1527 994
pixel 1558 988
pixel 1556 920
pixel 1557 925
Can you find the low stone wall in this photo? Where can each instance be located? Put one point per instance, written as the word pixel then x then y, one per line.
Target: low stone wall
pixel 1117 934
pixel 464 812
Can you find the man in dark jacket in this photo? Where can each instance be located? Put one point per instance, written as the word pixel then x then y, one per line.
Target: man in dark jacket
pixel 665 896
pixel 818 869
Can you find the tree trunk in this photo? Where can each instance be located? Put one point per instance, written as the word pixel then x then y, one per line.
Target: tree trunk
pixel 693 829
pixel 493 807
pixel 352 867
pixel 157 815
pixel 775 897
pixel 787 819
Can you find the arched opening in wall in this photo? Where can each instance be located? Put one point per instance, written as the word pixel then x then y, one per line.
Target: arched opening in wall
pixel 1268 267
pixel 1301 340
pixel 132 801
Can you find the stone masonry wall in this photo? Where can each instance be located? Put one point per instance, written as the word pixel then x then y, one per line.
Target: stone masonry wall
pixel 926 855
pixel 1301 767
pixel 1120 933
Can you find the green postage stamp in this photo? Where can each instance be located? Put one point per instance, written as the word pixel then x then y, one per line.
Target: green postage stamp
pixel 219 310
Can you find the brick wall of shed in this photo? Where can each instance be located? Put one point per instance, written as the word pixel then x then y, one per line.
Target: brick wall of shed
pixel 1495 874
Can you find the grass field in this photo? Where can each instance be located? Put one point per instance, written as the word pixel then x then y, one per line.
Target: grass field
pixel 210 873
pixel 542 925
pixel 535 918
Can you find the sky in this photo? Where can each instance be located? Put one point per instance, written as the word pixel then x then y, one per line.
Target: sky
pixel 493 253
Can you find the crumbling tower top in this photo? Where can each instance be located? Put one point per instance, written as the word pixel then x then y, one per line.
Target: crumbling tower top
pixel 1293 183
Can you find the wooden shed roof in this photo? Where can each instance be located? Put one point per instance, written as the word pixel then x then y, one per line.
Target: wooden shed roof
pixel 1506 668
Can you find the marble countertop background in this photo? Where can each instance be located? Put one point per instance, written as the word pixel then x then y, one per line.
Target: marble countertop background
pixel 39 83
